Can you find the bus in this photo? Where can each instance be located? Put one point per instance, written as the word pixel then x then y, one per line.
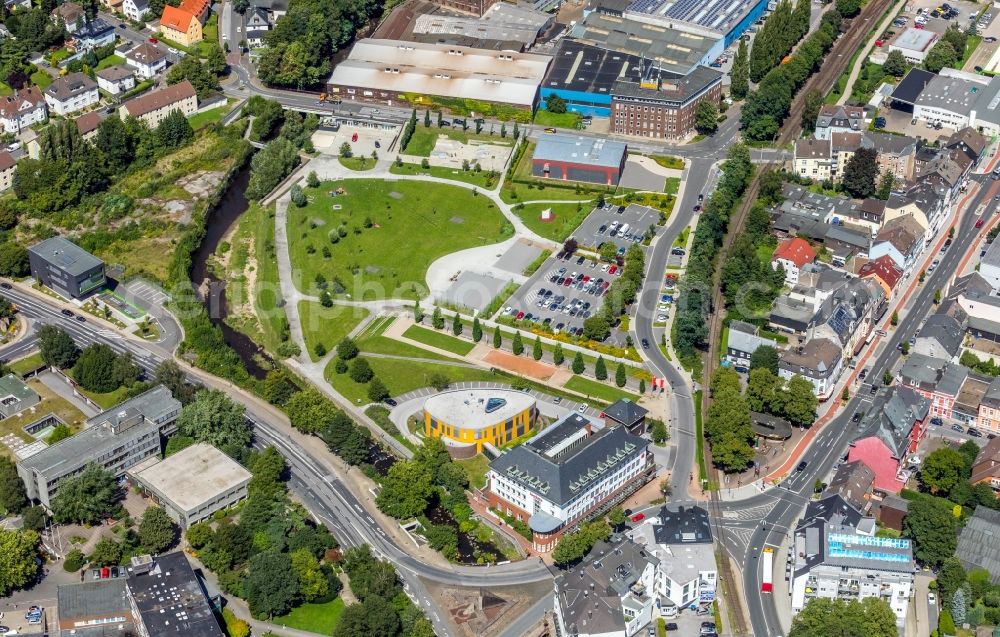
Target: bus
pixel 766 583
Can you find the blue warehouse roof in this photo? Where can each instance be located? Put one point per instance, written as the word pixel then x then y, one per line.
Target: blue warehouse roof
pixel 580 150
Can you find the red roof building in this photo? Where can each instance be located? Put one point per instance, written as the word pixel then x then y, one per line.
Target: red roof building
pixel 792 254
pixel 883 271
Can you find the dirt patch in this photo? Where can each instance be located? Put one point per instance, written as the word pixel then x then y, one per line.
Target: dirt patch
pixel 202 183
pixel 396 195
pixel 520 365
pixel 484 612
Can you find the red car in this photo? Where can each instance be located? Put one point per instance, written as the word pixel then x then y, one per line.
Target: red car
pixel 878 42
pixel 612 269
pixel 568 281
pixel 354 137
pixel 979 223
pixel 520 315
pixel 638 517
pixel 153 40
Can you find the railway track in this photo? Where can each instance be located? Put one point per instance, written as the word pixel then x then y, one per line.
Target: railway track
pixel 833 66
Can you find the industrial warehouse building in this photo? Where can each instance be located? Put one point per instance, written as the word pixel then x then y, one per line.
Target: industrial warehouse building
pixel 565 157
pixel 394 72
pixel 471 418
pixel 583 74
pixel 66 268
pixel 193 483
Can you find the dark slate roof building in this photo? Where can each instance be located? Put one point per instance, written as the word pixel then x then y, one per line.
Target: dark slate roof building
pixel 853 482
pixel 979 542
pixel 911 86
pixel 940 337
pixel 65 267
pixel 627 413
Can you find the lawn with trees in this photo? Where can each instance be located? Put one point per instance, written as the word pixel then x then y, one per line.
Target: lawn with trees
pixel 384 236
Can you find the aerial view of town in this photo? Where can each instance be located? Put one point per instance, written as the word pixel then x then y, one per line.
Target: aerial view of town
pixel 499 318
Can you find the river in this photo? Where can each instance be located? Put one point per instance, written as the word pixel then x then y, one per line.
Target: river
pixel 218 222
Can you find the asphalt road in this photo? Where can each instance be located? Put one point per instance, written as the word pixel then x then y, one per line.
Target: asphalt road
pixel 744 536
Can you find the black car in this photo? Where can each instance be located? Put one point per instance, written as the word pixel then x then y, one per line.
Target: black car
pixel 5 285
pixel 801 466
pixel 856 417
pixel 975 433
pixel 67 313
pixel 670 626
pixel 82 319
pixel 390 402
pixel 645 343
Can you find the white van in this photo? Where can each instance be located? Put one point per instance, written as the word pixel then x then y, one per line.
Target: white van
pixel 623 231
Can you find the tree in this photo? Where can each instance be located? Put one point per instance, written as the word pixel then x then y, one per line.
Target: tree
pixel 215 418
pixel 456 325
pixel 536 349
pixel 706 117
pixel 157 531
pixel 477 330
pixel 557 354
pixel 555 104
pixel 860 173
pixel 106 552
pixel 800 401
pixel 373 616
pixel 578 366
pixel 12 495
pixel 98 369
pixel 437 319
pixel 600 369
pixel 345 151
pixel 13 259
pixel 169 374
pixel 313 583
pixel 658 431
pixel 950 578
pixel 347 349
pixel 18 552
pixel 271 584
pixel 174 131
pixel 885 185
pixel 895 64
pixel 848 8
pixel 406 490
pixel 298 196
pixel 620 375
pixel 894 319
pixel 931 525
pixel 616 517
pixel 377 391
pixel 497 338
pixel 75 560
pixel 607 251
pixel 87 497
pixel 823 617
pixel 199 534
pixel 942 470
pixel 740 82
pixel 765 357
pixel 57 347
pixel 517 346
pixel 940 56
pixel 596 328
pixel 764 391
pixel 361 371
pixel 34 518
pixel 312 180
pixel 887 377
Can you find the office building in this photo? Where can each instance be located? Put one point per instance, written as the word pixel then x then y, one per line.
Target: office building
pixel 663 105
pixel 625 413
pixel 193 483
pixel 114 440
pixel 66 268
pixel 568 473
pixel 473 418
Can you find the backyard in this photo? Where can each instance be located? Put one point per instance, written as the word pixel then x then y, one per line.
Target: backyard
pixel 396 230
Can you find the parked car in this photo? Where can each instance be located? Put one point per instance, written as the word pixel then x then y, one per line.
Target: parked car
pixel 958 428
pixel 669 626
pixel 931 599
pixel 936 421
pixel 975 433
pixel 638 517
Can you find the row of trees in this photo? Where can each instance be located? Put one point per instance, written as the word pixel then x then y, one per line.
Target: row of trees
pixel 727 423
pixel 156 533
pixel 822 617
pixel 383 607
pixel 766 107
pixel 781 32
pixel 288 131
pixel 694 302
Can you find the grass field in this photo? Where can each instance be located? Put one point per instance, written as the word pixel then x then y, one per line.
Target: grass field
pixel 567 217
pixel 439 340
pixel 27 364
pixel 401 376
pixel 50 404
pixel 106 400
pixel 668 161
pixel 476 468
pixel 201 120
pixel 327 325
pixel 482 178
pixel 111 60
pixel 357 163
pixel 411 225
pixel 557 120
pixel 314 618
pixel 599 390
pixel 41 79
pixel 423 139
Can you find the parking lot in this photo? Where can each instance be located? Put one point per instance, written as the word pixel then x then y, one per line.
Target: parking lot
pixel 572 290
pixel 628 222
pixel 370 137
pixel 962 15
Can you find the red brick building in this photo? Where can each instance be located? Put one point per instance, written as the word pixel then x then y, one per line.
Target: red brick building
pixel 663 107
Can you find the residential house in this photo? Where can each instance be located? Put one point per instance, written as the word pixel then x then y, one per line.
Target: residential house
pixel 116 79
pixel 153 107
pixel 989 265
pixel 853 482
pixel 8 166
pixel 22 109
pixel 198 8
pixel 147 60
pixel 872 214
pixel 625 413
pixel 792 254
pixel 986 468
pixel 70 14
pixel 835 118
pixel 88 124
pixel 979 302
pixel 892 511
pixel 804 213
pixel 71 93
pixel 93 34
pixel 969 142
pixel 894 153
pixel 845 241
pixel 136 10
pixel 258 24
pixel 970 398
pixel 842 148
pixel 901 239
pixel 924 158
pixel 742 341
pixel 180 26
pixel 940 337
pixel 936 379
pixel 989 413
pixel 883 271
pixel 926 200
pixel 977 542
pixel 819 361
pixel 836 555
pixel 811 158
pixel 900 425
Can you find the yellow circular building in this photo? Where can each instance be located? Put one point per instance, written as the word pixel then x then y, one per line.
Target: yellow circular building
pixel 466 417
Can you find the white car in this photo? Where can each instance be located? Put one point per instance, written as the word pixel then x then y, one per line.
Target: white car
pixel 931 599
pixel 662 318
pixel 663 307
